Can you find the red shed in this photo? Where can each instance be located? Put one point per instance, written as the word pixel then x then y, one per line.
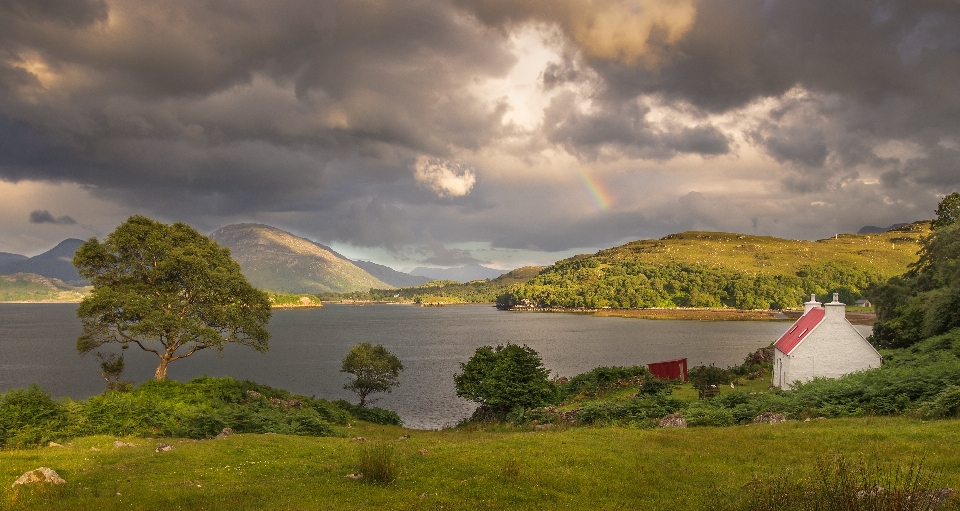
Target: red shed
pixel 670 369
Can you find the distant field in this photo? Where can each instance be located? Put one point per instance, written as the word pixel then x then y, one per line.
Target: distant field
pixel 29 287
pixel 481 468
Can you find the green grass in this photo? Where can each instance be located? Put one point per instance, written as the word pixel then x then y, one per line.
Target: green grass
pixel 472 468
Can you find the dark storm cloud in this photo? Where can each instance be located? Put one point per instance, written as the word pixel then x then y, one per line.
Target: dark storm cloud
pixel 77 12
pixel 42 216
pixel 236 102
pixel 202 111
pixel 621 125
pixel 894 66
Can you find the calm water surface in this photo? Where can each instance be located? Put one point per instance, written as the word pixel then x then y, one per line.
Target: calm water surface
pixel 37 345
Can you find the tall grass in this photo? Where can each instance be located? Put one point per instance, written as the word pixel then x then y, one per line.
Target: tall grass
pixel 839 484
pixel 378 463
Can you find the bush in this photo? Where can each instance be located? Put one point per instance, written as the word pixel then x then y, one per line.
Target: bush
pixel 30 417
pixel 200 408
pixel 604 378
pixel 374 415
pixel 506 377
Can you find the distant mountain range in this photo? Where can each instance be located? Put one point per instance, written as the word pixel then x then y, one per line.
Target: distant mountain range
pixel 56 263
pixel 276 260
pixel 461 274
pixel 870 229
pixel 7 257
pixel 391 276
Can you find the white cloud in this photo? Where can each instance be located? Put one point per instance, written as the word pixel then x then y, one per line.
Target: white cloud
pixel 446 178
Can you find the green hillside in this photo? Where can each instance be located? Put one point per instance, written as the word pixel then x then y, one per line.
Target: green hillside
pixel 30 287
pixel 446 291
pixel 275 260
pixel 715 269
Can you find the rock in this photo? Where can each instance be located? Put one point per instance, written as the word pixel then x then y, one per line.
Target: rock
pixel 541 427
pixel 120 443
pixel 674 420
pixel 254 394
pixel 423 451
pixel 96 449
pixel 39 475
pixel 54 444
pixel 164 448
pixel 770 418
pixel 353 476
pixel 358 439
pixel 224 433
pixel 404 437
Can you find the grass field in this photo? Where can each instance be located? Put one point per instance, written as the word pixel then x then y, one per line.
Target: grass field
pixel 497 467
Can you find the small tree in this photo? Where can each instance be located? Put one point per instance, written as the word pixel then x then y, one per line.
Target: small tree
pixel 503 378
pixel 374 369
pixel 169 290
pixel 111 369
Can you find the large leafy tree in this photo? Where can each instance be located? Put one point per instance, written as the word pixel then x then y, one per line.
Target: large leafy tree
pixel 506 377
pixel 924 301
pixel 169 290
pixel 374 369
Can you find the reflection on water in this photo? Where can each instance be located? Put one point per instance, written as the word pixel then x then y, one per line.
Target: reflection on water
pixel 37 342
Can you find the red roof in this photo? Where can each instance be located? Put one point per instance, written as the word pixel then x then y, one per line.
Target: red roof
pixel 792 337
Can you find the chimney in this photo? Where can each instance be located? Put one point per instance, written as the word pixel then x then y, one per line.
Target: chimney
pixel 811 304
pixel 835 311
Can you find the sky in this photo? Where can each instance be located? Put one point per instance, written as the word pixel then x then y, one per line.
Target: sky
pixel 502 132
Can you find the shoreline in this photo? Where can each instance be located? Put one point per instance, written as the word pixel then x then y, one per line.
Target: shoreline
pixel 701 314
pixel 679 313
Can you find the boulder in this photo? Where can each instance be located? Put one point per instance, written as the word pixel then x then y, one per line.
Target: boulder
pixel 770 418
pixel 164 448
pixel 224 433
pixel 39 475
pixel 120 443
pixel 674 420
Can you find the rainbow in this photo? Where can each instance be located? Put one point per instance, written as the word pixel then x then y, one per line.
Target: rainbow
pixel 596 190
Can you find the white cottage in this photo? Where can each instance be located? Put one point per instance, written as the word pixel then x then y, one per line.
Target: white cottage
pixel 822 343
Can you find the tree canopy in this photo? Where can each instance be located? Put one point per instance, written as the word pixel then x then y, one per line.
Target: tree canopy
pixel 503 378
pixel 374 369
pixel 169 290
pixel 924 301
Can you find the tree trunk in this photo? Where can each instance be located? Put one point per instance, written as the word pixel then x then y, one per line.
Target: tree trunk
pixel 161 373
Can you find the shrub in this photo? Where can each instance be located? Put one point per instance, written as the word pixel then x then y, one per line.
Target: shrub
pixel 30 417
pixel 603 378
pixel 374 415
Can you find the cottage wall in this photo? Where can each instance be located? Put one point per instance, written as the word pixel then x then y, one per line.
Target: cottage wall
pixel 831 350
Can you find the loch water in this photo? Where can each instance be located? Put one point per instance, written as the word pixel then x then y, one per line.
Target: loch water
pixel 37 345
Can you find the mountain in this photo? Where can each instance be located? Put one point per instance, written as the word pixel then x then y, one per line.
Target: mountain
pixel 719 269
pixel 7 257
pixel 56 263
pixel 870 229
pixel 391 276
pixel 275 260
pixel 461 274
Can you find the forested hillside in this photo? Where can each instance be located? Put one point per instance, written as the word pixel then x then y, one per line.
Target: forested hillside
pixel 713 269
pixel 447 291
